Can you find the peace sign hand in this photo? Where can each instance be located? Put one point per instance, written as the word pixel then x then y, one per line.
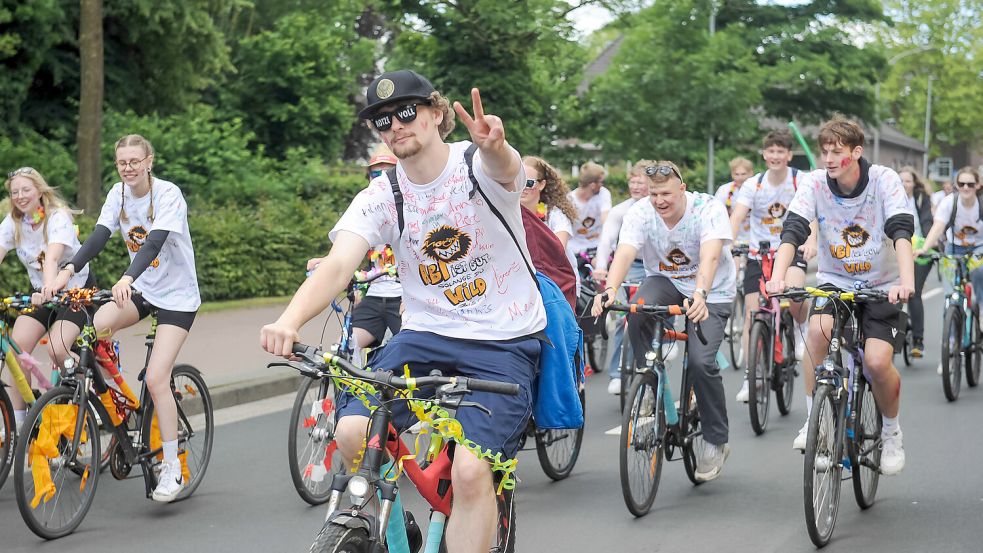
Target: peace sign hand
pixel 487 131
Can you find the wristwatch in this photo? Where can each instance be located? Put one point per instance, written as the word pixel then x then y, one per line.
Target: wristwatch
pixel 702 292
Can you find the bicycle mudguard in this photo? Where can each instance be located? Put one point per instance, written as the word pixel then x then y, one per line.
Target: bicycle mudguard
pixel 352 519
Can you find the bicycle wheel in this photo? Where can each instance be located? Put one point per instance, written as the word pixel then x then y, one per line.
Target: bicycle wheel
pixel 72 464
pixel 759 368
pixel 865 445
pixel 952 331
pixel 627 370
pixel 311 449
pixel 906 347
pixel 558 449
pixel 335 538
pixel 694 446
pixel 735 327
pixel 8 433
pixel 505 535
pixel 821 478
pixel 784 376
pixel 642 444
pixel 196 426
pixel 974 355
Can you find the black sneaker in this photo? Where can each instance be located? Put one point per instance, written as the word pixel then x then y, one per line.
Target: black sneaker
pixel 917 348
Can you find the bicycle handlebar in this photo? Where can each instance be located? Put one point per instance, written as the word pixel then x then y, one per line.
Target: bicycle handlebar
pixel 671 310
pixel 867 295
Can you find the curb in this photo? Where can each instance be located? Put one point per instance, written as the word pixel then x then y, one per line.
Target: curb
pixel 248 391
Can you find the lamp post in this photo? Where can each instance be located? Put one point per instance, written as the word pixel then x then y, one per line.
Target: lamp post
pixel 877 106
pixel 710 160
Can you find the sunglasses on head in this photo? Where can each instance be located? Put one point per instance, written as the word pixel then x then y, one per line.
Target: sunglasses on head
pixel 405 113
pixel 664 170
pixel 532 182
pixel 21 171
pixel 965 184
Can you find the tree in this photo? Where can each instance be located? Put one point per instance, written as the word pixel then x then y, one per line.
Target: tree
pixel 90 105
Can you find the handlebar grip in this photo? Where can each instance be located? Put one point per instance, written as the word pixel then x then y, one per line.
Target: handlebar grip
pixel 506 388
pixel 699 334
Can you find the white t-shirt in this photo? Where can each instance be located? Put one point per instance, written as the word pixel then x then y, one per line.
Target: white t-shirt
pixel 853 247
pixel 768 205
pixel 587 229
pixel 675 252
pixel 610 232
pixel 968 229
pixel 558 222
pixel 937 197
pixel 462 275
pixel 386 286
pixel 32 246
pixel 727 194
pixel 170 282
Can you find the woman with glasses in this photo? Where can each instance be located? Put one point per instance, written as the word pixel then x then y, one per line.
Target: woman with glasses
pixel 39 227
pixel 920 206
pixel 152 217
pixel 546 195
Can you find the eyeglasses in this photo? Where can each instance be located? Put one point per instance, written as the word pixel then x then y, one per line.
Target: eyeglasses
pixel 965 184
pixel 405 114
pixel 21 171
pixel 132 164
pixel 664 170
pixel 532 182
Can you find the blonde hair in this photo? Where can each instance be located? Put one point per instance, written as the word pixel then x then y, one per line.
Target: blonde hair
pixel 148 150
pixel 590 172
pixel 442 105
pixel 741 162
pixel 638 170
pixel 51 200
pixel 556 190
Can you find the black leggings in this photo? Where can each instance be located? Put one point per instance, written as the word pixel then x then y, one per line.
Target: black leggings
pixel 916 309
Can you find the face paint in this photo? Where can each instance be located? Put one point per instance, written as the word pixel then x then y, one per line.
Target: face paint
pixel 846 161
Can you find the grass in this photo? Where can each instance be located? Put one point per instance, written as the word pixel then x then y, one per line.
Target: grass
pixel 215 306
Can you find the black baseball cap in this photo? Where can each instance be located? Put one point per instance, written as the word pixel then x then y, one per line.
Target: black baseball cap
pixel 393 86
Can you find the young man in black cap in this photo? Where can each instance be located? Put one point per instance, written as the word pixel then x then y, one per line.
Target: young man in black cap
pixel 471 307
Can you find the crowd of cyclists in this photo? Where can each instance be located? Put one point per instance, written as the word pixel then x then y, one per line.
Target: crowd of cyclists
pixel 447 215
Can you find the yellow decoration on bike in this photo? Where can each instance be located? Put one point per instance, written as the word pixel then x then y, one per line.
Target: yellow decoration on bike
pixel 20 381
pixel 57 421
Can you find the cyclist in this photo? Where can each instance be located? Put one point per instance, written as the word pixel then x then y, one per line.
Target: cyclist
pixel 741 169
pixel 940 195
pixel 920 206
pixel 546 194
pixel 681 236
pixel 637 189
pixel 471 306
pixel 593 203
pixel 864 214
pixel 39 227
pixel 381 308
pixel 152 217
pixel 765 199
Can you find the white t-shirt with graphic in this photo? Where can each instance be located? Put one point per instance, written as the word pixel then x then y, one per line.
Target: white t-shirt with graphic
pixel 768 205
pixel 31 250
pixel 727 194
pixel 587 229
pixel 462 275
pixel 558 222
pixel 170 282
pixel 853 247
pixel 386 286
pixel 675 252
pixel 967 229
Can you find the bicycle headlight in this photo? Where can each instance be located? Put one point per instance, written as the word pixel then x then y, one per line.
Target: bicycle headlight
pixel 69 364
pixel 650 355
pixel 358 486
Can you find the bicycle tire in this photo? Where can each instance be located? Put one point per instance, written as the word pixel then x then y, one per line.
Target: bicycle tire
pixel 906 347
pixel 642 445
pixel 865 444
pixel 76 494
pixel 558 449
pixel 8 435
pixel 627 370
pixel 196 426
pixel 311 442
pixel 785 375
pixel 506 531
pixel 735 326
pixel 951 355
pixel 694 445
pixel 335 538
pixel 975 355
pixel 822 467
pixel 759 370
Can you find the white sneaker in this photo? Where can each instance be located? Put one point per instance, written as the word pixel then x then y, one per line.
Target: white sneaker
pixel 170 482
pixel 614 386
pixel 800 440
pixel 711 462
pixel 742 395
pixel 892 454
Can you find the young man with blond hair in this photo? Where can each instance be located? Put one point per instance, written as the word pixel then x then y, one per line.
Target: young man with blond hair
pixel 593 203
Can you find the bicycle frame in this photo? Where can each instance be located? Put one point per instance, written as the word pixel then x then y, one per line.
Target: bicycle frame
pixel 962 291
pixel 11 353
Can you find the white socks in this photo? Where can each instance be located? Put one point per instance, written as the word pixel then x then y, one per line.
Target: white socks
pixel 808 407
pixel 19 416
pixel 170 451
pixel 891 426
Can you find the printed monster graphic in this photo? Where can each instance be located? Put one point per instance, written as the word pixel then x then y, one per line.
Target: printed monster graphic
pixel 135 239
pixel 777 210
pixel 965 233
pixel 677 257
pixel 586 225
pixel 446 244
pixel 40 260
pixel 855 236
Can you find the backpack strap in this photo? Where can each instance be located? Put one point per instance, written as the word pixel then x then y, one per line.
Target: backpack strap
pixel 952 216
pixel 469 160
pixel 398 196
pixel 795 179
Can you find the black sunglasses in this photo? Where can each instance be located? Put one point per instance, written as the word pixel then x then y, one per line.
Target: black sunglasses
pixel 405 114
pixel 965 184
pixel 664 170
pixel 532 182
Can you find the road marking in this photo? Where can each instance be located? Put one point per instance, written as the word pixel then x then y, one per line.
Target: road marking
pixel 246 411
pixel 616 431
pixel 931 293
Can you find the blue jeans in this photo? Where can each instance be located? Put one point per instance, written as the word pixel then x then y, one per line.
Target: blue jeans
pixel 975 276
pixel 636 273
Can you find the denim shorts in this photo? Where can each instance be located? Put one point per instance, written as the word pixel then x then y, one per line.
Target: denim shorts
pixel 513 361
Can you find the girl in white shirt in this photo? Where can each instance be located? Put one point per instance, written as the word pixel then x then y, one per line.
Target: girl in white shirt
pixel 39 227
pixel 152 217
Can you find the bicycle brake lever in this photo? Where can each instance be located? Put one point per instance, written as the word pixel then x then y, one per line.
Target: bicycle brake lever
pixel 478 406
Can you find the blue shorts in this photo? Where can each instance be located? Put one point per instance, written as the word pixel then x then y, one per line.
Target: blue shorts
pixel 514 361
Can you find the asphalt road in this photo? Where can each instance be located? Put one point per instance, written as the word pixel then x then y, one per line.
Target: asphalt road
pixel 247 502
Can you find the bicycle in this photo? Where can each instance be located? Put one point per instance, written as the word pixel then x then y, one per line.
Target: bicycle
pixel 360 525
pixel 59 439
pixel 556 449
pixel 961 345
pixel 735 324
pixel 627 363
pixel 771 361
pixel 844 416
pixel 310 438
pixel 652 426
pixel 595 336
